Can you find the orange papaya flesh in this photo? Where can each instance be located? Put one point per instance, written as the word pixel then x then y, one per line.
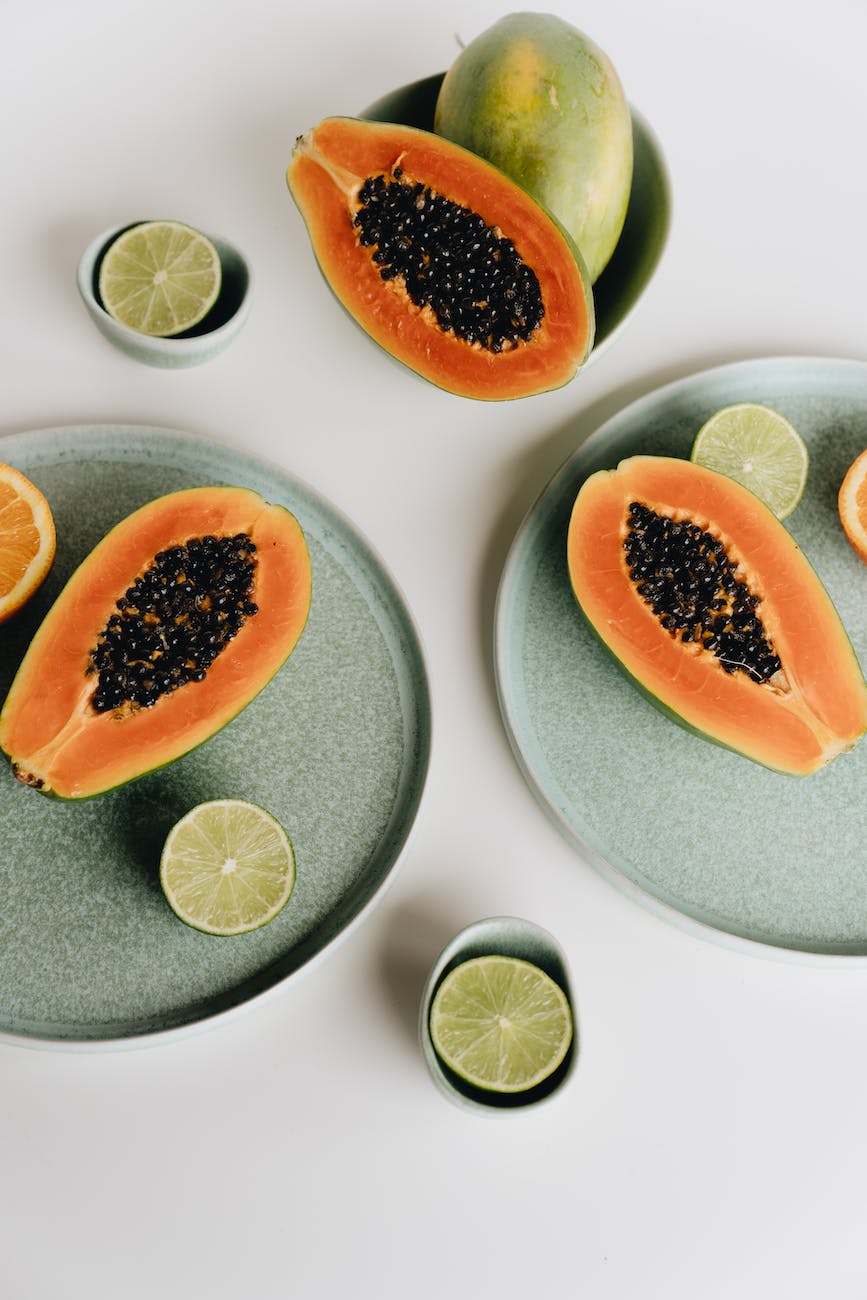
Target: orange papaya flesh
pixel 789 695
pixel 58 740
pixel 404 311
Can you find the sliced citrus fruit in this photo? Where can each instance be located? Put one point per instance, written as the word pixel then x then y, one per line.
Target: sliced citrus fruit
pixel 760 448
pixel 500 1023
pixel 852 504
pixel 26 540
pixel 160 277
pixel 227 867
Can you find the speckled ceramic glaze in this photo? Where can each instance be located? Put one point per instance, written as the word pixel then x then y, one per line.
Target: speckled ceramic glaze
pixel 621 285
pixel 701 833
pixel 205 341
pixel 336 747
pixel 503 936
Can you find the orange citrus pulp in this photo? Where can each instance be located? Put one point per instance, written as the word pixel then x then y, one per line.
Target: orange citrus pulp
pixel 26 540
pixel 852 504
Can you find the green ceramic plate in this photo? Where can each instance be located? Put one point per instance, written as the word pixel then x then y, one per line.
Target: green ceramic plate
pixel 645 231
pixel 336 747
pixel 700 833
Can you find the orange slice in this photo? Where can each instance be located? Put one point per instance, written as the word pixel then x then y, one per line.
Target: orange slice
pixel 26 540
pixel 852 504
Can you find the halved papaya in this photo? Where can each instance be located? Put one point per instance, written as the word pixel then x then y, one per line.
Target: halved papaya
pixel 444 261
pixel 174 622
pixel 706 600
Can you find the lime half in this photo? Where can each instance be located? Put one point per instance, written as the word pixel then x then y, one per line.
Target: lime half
pixel 160 277
pixel 500 1023
pixel 759 448
pixel 227 867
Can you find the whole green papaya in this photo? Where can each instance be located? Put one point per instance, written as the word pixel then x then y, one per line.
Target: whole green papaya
pixel 541 101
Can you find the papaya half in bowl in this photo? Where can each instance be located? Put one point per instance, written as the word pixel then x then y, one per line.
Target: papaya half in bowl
pixel 621 285
pixel 443 260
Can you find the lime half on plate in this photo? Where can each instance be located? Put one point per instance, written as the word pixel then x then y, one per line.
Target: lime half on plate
pixel 227 867
pixel 759 448
pixel 160 278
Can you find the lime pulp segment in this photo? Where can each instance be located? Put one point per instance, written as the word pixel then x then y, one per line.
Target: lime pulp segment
pixel 759 448
pixel 227 867
pixel 500 1023
pixel 160 277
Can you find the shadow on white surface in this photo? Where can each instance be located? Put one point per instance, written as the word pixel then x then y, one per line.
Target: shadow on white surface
pixel 414 935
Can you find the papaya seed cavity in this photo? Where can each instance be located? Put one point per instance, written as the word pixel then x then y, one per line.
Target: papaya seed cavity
pixel 169 626
pixel 694 588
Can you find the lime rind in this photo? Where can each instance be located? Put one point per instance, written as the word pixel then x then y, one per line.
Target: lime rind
pixel 227 867
pixel 759 448
pixel 500 1023
pixel 160 278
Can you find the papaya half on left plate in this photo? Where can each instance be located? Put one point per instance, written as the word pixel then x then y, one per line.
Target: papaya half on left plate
pixel 442 259
pixel 711 607
pixel 175 621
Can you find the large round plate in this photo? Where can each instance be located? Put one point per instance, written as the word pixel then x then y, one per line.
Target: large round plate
pixel 639 249
pixel 336 747
pixel 699 832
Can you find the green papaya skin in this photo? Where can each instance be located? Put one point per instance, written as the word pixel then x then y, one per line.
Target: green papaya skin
pixel 541 101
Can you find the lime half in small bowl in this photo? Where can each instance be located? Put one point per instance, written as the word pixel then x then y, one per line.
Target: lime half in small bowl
pixel 160 277
pixel 497 1021
pixel 216 325
pixel 500 1023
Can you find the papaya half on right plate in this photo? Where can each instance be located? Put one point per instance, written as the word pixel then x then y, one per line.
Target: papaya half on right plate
pixel 711 607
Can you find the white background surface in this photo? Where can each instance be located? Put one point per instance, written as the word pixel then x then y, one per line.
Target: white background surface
pixel 710 1143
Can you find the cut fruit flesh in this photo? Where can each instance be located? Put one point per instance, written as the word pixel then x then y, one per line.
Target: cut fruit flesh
pixel 227 867
pixel 796 723
pixel 160 278
pixel 500 1023
pixel 760 448
pixel 57 742
pixel 852 505
pixel 27 540
pixel 329 166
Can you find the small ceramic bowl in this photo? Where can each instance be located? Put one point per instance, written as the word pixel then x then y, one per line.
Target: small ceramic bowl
pixel 191 348
pixel 506 936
